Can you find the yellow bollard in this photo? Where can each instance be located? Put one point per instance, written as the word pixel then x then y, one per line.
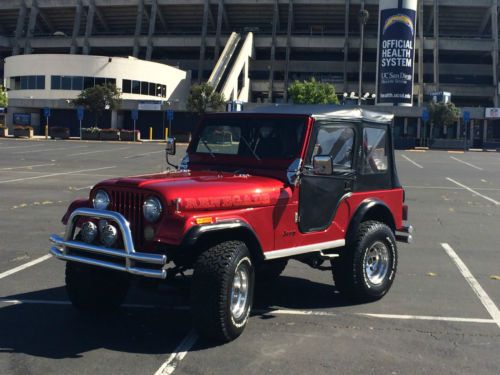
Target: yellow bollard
pixel 46 132
pixel 166 134
pixel 150 134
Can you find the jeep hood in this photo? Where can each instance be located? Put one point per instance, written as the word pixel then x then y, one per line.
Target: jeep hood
pixel 206 190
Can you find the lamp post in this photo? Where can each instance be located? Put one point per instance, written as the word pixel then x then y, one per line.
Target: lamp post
pixel 363 19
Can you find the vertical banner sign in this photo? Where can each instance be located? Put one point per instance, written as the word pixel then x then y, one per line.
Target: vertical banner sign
pixel 396 47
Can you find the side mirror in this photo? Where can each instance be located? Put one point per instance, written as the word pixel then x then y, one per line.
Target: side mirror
pixel 170 149
pixel 322 165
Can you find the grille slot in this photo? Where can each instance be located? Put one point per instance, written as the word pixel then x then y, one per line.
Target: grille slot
pixel 129 204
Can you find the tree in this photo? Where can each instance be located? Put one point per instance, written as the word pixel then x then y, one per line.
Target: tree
pixel 98 98
pixel 203 98
pixel 443 114
pixel 3 97
pixel 312 92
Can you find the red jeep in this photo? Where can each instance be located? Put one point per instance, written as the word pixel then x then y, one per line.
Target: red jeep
pixel 311 183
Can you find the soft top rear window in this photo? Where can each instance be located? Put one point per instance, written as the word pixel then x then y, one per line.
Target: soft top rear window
pixel 259 138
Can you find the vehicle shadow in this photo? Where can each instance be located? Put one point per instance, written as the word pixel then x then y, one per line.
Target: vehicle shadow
pixel 46 325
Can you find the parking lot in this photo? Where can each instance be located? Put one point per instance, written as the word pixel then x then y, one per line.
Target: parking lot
pixel 441 315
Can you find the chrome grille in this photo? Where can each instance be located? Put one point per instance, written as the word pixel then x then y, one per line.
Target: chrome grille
pixel 129 204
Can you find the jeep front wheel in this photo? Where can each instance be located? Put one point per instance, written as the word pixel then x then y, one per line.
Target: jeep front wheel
pixel 366 268
pixel 222 291
pixel 95 290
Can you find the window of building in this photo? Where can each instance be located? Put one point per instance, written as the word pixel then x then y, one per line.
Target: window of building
pixel 100 81
pixel 111 81
pixel 65 82
pixel 144 88
pixel 136 87
pixel 163 91
pixel 24 82
pixel 152 89
pixel 77 83
pixel 88 82
pixel 127 86
pixel 31 82
pixel 40 82
pixel 55 82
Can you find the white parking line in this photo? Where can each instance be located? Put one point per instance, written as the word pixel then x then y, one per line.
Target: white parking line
pixel 449 188
pixel 473 191
pixel 55 174
pixel 476 287
pixel 18 147
pixel 432 318
pixel 11 301
pixel 464 162
pixel 49 149
pixel 81 188
pixel 96 152
pixel 27 166
pixel 24 266
pixel 178 355
pixel 413 162
pixel 146 153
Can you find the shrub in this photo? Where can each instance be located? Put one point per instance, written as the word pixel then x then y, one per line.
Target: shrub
pixel 92 130
pixel 110 130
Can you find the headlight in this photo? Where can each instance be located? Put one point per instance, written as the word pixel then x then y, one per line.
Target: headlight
pixel 152 209
pixel 101 200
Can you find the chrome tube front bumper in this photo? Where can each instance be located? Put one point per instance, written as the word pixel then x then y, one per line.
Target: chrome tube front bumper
pixel 126 258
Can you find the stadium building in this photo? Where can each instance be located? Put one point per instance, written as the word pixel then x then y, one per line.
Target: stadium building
pixel 457 46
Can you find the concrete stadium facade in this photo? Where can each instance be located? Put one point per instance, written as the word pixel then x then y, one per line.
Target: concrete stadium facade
pixel 457 46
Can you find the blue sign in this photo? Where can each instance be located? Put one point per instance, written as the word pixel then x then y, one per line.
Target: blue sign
pixel 46 112
pixel 170 114
pixel 80 111
pixel 395 60
pixel 21 118
pixel 425 115
pixel 466 116
pixel 134 114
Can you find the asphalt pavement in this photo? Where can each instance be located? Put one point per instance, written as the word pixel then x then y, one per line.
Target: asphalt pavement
pixel 441 315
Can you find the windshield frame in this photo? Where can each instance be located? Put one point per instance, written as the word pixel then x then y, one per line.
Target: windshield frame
pixel 206 158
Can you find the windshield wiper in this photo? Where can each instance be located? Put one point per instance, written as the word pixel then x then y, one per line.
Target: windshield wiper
pixel 250 148
pixel 208 147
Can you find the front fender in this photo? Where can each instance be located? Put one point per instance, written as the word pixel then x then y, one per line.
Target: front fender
pixel 77 203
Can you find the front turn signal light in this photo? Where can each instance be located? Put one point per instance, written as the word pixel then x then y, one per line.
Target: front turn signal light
pixel 204 220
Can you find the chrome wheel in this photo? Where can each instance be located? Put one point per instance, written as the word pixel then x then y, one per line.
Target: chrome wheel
pixel 239 291
pixel 376 263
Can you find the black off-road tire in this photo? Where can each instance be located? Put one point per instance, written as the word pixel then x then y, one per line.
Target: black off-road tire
pixel 211 290
pixel 349 272
pixel 95 290
pixel 270 270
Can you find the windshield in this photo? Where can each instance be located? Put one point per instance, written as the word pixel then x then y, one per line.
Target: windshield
pixel 259 138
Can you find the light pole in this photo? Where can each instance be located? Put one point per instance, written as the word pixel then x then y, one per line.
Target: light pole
pixel 363 19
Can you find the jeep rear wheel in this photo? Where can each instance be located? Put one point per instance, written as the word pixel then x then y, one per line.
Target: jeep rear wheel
pixel 95 290
pixel 366 268
pixel 222 291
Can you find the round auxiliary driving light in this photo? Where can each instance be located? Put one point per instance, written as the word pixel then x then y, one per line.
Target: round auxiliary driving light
pixel 152 209
pixel 101 200
pixel 108 235
pixel 88 232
